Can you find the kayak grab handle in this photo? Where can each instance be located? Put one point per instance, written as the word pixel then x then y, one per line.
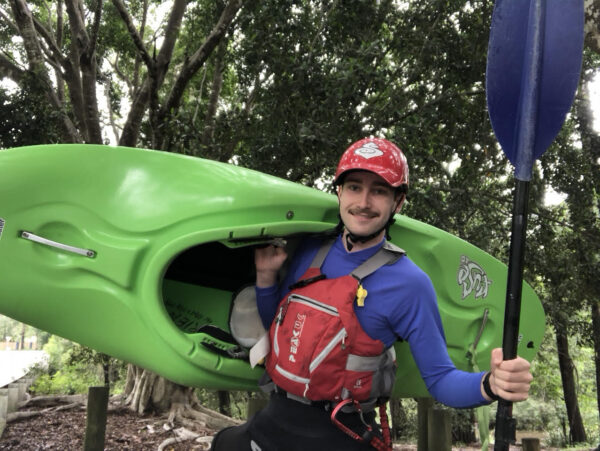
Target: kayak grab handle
pixel 65 247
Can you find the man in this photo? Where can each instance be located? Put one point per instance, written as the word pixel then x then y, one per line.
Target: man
pixel 334 318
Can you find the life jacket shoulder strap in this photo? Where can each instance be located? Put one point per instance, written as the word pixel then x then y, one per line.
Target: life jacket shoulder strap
pixel 386 255
pixel 322 253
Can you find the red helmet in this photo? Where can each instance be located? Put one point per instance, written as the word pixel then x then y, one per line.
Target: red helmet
pixel 375 155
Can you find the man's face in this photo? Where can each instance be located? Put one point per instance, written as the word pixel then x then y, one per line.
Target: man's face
pixel 366 202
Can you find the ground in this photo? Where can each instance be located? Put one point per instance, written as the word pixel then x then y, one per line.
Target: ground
pixel 65 430
pixel 125 431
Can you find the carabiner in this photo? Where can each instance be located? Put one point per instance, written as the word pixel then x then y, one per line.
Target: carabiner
pixel 366 437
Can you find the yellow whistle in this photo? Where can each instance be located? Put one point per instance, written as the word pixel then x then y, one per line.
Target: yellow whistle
pixel 361 294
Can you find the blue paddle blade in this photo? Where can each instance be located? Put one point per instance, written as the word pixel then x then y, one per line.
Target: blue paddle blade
pixel 533 67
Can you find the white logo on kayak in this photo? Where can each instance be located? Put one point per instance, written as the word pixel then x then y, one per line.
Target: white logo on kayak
pixel 369 150
pixel 472 278
pixel 1 226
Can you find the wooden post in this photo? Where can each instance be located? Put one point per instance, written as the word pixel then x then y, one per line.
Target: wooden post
pixel 439 437
pixel 257 402
pixel 22 390
pixel 531 444
pixel 13 397
pixel 423 407
pixel 95 429
pixel 3 407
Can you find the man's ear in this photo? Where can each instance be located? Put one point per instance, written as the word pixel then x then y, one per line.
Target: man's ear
pixel 399 203
pixel 338 190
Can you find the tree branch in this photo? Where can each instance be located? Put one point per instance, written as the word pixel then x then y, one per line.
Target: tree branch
pixel 155 77
pixel 135 37
pixel 10 70
pixel 26 27
pixel 592 24
pixel 9 22
pixel 95 27
pixel 55 51
pixel 190 67
pixel 24 22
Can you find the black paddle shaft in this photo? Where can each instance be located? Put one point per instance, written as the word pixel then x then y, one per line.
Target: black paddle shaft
pixel 505 424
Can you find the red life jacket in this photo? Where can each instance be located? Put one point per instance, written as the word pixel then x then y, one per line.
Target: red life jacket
pixel 319 351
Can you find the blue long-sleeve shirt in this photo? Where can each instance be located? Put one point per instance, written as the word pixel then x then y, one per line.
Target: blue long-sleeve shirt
pixel 401 303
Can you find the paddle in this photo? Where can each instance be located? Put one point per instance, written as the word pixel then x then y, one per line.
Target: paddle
pixel 533 67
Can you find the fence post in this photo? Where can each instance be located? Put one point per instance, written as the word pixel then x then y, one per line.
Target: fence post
pixel 439 437
pixel 530 444
pixel 257 402
pixel 13 397
pixel 3 408
pixel 95 428
pixel 22 390
pixel 423 407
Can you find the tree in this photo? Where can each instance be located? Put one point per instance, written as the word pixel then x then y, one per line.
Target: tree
pixel 568 237
pixel 592 25
pixel 67 61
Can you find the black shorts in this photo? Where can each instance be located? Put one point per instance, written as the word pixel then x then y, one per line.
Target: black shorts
pixel 288 425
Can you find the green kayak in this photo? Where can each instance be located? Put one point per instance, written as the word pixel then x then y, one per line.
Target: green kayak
pixel 138 253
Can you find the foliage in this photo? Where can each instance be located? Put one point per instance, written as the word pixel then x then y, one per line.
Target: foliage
pixel 14 331
pixel 58 350
pixel 72 368
pixel 70 380
pixel 238 406
pixel 26 117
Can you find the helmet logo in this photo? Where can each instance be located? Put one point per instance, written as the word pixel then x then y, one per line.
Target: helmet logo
pixel 369 150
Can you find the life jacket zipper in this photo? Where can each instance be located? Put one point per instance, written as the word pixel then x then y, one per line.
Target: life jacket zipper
pixel 313 303
pixel 339 337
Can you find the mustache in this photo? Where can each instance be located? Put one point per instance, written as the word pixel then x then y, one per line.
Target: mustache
pixel 363 211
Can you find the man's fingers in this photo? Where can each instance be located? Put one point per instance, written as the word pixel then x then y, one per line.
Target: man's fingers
pixel 511 390
pixel 511 379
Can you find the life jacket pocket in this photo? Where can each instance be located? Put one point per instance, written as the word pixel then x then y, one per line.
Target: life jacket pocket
pixel 309 348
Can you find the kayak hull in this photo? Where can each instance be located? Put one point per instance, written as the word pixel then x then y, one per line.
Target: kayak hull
pixel 135 253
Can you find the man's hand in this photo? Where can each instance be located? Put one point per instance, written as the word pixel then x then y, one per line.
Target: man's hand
pixel 509 379
pixel 268 261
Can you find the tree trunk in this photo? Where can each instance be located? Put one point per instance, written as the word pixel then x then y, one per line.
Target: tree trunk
pixel 591 143
pixel 27 30
pixel 398 418
pixel 217 83
pixel 592 25
pixel 224 402
pixel 463 422
pixel 23 327
pixel 145 391
pixel 596 338
pixel 577 431
pixel 148 392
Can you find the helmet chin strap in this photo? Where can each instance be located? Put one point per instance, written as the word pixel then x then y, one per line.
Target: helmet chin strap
pixel 352 238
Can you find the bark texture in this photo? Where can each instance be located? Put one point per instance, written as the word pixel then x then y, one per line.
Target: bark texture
pixel 567 373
